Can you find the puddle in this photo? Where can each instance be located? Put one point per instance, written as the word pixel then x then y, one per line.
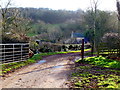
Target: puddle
pixel 41 61
pixel 78 58
pixel 57 66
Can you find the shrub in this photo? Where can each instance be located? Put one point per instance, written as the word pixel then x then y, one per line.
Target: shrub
pixel 111 40
pixel 70 47
pixel 64 47
pixel 14 38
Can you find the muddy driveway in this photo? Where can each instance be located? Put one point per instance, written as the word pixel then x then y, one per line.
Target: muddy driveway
pixel 51 72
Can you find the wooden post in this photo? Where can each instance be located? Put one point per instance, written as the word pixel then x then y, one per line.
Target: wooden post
pixel 4 53
pixel 82 49
pixel 13 52
pixel 21 51
pixel 92 50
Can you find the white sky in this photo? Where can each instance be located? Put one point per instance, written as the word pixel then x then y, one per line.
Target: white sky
pixel 63 4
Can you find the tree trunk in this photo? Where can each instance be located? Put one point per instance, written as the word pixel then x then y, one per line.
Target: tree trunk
pixel 118 9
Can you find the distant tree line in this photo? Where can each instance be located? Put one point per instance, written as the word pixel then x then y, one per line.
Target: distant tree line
pixel 57 25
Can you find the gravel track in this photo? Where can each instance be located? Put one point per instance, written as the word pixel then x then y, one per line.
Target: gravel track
pixel 54 73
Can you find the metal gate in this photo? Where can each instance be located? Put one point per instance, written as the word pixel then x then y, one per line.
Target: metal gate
pixel 14 52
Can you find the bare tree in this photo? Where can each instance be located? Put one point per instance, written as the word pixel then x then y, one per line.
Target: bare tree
pixel 13 24
pixel 3 19
pixel 3 12
pixel 118 9
pixel 94 6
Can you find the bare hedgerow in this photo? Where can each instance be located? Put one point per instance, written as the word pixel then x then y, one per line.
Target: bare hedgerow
pixel 112 40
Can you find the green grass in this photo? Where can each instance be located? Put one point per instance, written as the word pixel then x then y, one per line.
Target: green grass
pixel 103 62
pixel 6 68
pixel 96 72
pixel 90 80
pixel 78 51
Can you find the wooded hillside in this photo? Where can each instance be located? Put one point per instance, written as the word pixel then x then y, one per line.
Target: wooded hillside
pixel 57 25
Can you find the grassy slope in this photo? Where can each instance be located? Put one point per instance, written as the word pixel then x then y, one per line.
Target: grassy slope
pixel 96 72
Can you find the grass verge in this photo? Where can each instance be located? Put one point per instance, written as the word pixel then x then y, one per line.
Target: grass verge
pixel 96 72
pixel 102 61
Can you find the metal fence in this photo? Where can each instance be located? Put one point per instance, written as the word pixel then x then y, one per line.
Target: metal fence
pixel 14 52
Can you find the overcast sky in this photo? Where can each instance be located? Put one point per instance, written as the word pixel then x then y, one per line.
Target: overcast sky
pixel 63 4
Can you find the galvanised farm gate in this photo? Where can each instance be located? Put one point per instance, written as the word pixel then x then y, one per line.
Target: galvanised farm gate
pixel 14 52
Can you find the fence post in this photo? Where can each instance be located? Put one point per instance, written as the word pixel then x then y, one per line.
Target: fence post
pixel 1 54
pixel 4 53
pixel 13 52
pixel 21 51
pixel 82 49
